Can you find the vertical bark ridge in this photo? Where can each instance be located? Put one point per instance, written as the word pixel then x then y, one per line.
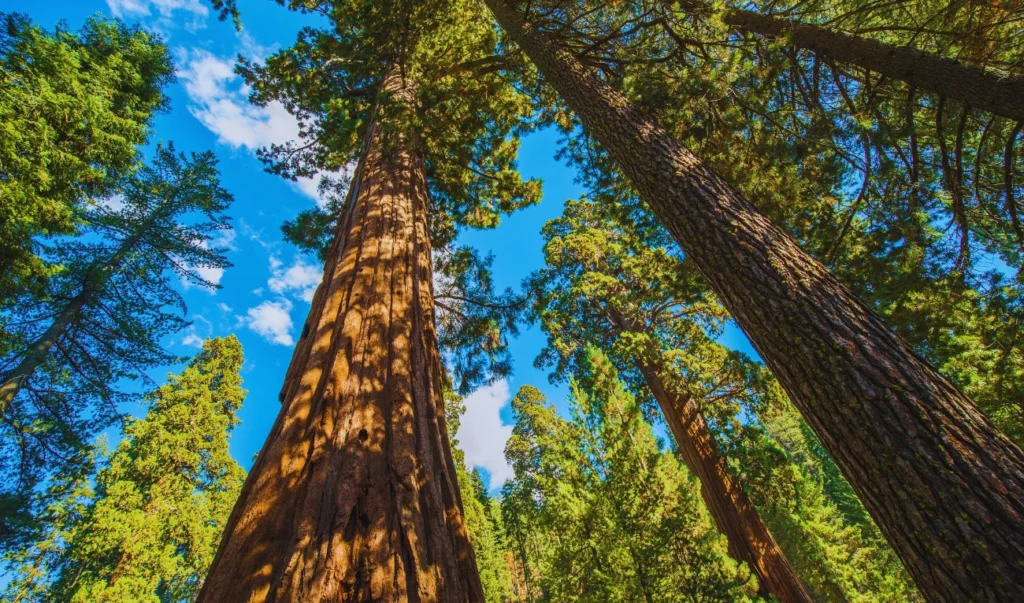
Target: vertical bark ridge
pixel 353 497
pixel 943 484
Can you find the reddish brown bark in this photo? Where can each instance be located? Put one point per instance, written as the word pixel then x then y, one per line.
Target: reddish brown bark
pixel 734 514
pixel 945 77
pixel 943 484
pixel 354 495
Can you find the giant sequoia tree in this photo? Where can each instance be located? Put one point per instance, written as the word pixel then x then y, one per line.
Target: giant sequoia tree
pixel 355 495
pixel 873 401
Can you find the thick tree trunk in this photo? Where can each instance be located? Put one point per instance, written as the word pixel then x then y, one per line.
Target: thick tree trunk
pixel 945 77
pixel 354 495
pixel 943 484
pixel 748 536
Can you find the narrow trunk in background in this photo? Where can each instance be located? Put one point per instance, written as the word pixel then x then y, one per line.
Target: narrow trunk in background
pixel 943 484
pixel 945 77
pixel 92 284
pixel 735 516
pixel 749 539
pixel 354 495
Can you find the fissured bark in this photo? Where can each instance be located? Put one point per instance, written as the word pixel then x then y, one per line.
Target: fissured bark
pixel 943 484
pixel 354 495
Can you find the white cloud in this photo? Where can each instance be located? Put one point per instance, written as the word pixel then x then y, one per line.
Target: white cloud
pixel 192 340
pixel 272 321
pixel 219 100
pixel 300 277
pixel 165 11
pixel 223 307
pixel 212 275
pixel 482 435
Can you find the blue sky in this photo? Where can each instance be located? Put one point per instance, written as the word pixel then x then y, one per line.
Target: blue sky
pixel 265 297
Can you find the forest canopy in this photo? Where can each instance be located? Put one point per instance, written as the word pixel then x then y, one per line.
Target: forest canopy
pixel 540 300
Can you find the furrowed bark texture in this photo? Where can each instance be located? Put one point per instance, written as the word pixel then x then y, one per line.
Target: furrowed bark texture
pixel 945 486
pixel 945 77
pixel 734 514
pixel 354 495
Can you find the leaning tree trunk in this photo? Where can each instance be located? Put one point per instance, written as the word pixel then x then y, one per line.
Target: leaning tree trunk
pixel 943 484
pixel 734 514
pixel 749 539
pixel 354 495
pixel 945 77
pixel 93 282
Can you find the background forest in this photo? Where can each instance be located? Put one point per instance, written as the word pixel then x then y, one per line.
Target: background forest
pixel 539 300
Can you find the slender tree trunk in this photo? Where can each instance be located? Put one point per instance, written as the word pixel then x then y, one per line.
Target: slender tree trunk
pixel 92 284
pixel 354 495
pixel 943 484
pixel 945 77
pixel 749 539
pixel 737 518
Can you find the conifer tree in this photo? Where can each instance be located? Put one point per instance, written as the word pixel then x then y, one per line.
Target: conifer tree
pixel 104 316
pixel 150 529
pixel 355 493
pixel 605 285
pixel 74 106
pixel 604 513
pixel 871 399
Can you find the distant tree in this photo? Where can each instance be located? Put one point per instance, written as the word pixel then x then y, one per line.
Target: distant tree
pixel 150 529
pixel 599 513
pixel 103 317
pixel 74 106
pixel 608 283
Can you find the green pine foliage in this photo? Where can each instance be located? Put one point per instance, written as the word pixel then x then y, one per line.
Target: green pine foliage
pixel 150 526
pixel 102 321
pixel 598 511
pixel 607 283
pixel 74 106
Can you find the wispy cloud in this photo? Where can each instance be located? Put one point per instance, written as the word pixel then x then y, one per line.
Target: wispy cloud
pixel 301 278
pixel 219 100
pixel 271 320
pixel 161 15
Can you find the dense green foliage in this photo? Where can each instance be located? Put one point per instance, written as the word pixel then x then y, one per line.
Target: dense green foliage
pixel 74 106
pixel 911 200
pixel 604 285
pixel 149 526
pixel 104 319
pixel 599 512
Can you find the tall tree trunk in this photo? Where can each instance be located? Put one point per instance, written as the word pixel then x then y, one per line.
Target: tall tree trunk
pixel 943 484
pixel 945 77
pixel 354 495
